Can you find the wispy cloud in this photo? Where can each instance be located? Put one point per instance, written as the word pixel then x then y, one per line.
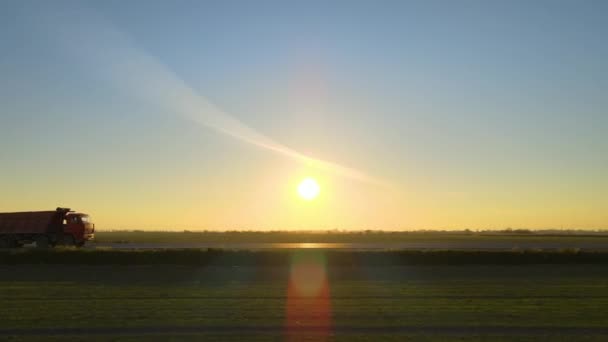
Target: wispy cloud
pixel 113 56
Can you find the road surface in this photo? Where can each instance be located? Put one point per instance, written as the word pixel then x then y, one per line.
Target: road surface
pixel 462 245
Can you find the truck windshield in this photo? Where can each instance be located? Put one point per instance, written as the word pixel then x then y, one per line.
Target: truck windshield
pixel 85 219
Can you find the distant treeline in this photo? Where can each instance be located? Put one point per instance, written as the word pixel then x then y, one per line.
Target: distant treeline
pixel 281 258
pixel 332 236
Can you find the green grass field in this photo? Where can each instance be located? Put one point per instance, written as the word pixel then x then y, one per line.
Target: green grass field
pixel 286 301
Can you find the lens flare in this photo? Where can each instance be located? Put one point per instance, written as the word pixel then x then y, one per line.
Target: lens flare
pixel 308 306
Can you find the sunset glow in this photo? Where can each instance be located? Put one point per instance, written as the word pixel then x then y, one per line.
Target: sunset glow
pixel 250 127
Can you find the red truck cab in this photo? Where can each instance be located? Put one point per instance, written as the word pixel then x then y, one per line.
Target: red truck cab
pixel 79 226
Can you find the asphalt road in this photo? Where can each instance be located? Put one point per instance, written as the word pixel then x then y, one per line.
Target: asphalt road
pixel 463 245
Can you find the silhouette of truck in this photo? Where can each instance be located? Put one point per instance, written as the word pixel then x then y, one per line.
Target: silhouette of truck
pixel 46 228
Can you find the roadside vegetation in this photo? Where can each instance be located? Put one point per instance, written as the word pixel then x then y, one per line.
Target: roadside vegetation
pixel 71 256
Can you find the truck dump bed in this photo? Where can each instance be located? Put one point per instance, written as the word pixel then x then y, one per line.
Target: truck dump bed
pixel 32 222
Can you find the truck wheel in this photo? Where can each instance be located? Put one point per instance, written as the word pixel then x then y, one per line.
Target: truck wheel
pixel 8 242
pixel 68 240
pixel 42 241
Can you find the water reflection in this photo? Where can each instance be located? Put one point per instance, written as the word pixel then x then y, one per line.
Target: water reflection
pixel 309 245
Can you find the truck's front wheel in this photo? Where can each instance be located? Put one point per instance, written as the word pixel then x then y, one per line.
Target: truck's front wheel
pixel 68 240
pixel 42 241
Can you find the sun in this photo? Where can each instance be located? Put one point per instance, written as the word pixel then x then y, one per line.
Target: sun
pixel 309 189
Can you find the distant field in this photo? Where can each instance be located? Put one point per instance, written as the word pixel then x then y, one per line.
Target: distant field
pixel 341 237
pixel 347 303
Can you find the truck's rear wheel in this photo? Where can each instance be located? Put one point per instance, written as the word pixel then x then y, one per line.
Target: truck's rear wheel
pixel 8 242
pixel 42 241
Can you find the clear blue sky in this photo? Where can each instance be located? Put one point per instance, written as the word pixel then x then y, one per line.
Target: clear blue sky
pixel 480 113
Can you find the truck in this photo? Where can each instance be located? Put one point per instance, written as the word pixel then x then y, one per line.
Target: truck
pixel 61 226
